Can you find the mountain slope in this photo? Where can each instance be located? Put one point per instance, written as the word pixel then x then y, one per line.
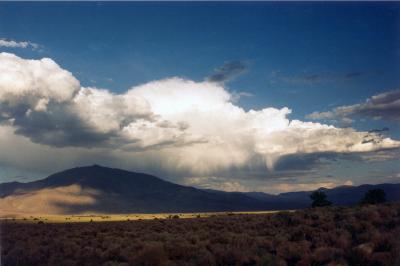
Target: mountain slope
pixel 109 190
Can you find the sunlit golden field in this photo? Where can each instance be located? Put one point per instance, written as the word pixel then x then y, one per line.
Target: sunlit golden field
pixel 54 218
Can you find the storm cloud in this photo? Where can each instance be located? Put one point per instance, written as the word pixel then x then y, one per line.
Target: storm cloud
pixel 169 127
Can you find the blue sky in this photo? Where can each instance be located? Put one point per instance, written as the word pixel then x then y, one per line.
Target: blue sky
pixel 309 57
pixel 133 43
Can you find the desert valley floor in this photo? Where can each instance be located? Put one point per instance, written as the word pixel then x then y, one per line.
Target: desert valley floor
pixel 362 235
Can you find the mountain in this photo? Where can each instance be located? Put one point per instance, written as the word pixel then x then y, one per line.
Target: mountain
pixel 342 195
pixel 107 190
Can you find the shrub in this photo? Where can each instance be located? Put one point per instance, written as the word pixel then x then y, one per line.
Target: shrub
pixel 291 252
pixel 323 255
pixel 271 260
pixel 374 196
pixel 319 199
pixel 381 258
pixel 152 255
pixel 366 235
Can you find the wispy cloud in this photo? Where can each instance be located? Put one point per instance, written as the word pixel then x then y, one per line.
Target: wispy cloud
pixel 228 71
pixel 18 44
pixel 354 75
pixel 317 78
pixel 383 106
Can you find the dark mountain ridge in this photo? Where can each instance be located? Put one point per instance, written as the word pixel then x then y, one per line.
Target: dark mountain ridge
pixel 126 192
pixel 342 195
pixel 120 191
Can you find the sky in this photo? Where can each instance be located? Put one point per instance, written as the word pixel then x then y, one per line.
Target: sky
pixel 237 96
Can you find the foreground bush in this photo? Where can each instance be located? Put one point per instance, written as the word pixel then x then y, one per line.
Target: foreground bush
pixel 366 235
pixel 374 196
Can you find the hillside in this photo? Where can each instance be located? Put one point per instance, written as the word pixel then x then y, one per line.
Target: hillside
pixel 108 190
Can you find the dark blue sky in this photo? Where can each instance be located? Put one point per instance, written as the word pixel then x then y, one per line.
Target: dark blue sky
pixel 311 56
pixel 132 43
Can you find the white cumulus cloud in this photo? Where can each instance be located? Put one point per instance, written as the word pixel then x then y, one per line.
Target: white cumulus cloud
pixel 177 124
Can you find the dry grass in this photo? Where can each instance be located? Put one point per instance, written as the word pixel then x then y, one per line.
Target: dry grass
pixel 102 217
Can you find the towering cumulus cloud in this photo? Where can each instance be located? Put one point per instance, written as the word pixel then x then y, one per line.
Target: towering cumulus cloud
pixel 193 127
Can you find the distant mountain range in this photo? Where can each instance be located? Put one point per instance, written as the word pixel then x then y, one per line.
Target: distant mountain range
pixel 107 190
